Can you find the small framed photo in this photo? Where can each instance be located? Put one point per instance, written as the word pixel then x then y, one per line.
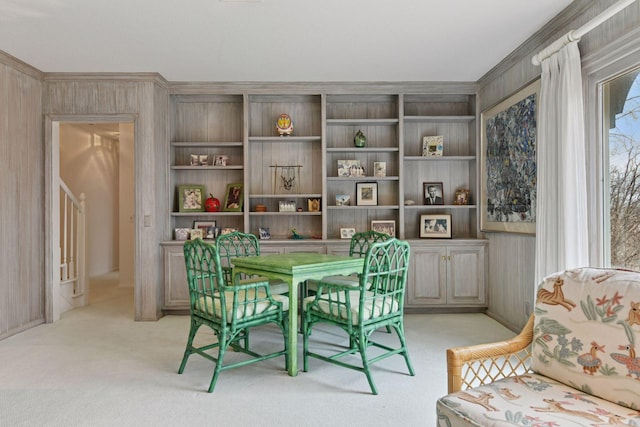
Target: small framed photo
pixel 203 159
pixel 227 230
pixel 264 233
pixel 207 227
pixel 221 160
pixel 433 194
pixel 347 233
pixel 366 193
pixel 462 197
pixel 196 233
pixel 435 226
pixel 379 169
pixel 432 146
pixel 195 160
pixel 386 226
pixel 313 205
pixel 191 198
pixel 350 168
pixel 234 198
pixel 181 233
pixel 343 200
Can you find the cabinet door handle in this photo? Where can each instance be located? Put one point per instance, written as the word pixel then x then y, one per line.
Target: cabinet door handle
pixel 444 258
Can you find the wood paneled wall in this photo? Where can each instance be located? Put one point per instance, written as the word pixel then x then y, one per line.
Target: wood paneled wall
pixel 143 97
pixel 22 303
pixel 512 257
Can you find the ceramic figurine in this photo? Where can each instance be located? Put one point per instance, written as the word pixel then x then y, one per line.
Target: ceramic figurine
pixel 284 125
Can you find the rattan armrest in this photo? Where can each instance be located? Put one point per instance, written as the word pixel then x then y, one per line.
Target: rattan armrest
pixel 484 363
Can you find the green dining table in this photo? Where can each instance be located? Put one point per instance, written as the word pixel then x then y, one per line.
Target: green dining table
pixel 295 268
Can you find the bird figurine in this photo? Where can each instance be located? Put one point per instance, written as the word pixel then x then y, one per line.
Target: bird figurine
pixel 590 361
pixel 630 361
pixel 296 236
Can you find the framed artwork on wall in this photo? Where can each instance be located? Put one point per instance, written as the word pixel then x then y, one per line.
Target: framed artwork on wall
pixel 508 189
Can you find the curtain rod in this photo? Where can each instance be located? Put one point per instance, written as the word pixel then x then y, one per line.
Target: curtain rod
pixel 576 35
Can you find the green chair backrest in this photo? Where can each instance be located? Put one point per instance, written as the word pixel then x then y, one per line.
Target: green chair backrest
pixel 235 245
pixel 361 241
pixel 384 277
pixel 205 279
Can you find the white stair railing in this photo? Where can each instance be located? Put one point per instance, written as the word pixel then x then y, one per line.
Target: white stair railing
pixel 72 240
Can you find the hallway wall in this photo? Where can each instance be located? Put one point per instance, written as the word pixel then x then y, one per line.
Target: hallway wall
pixel 22 165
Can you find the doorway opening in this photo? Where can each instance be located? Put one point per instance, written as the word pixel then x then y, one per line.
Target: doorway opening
pixel 94 160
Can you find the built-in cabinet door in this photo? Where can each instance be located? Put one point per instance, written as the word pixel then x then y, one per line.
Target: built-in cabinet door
pixel 465 273
pixel 427 273
pixel 176 290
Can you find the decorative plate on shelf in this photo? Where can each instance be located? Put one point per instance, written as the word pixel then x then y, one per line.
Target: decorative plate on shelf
pixel 284 125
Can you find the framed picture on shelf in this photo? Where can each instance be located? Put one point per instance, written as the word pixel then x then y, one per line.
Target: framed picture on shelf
pixel 203 159
pixel 432 146
pixel 508 189
pixel 435 226
pixel 196 233
pixel 347 233
pixel 462 197
pixel 350 168
pixel 433 194
pixel 195 160
pixel 343 200
pixel 379 169
pixel 221 160
pixel 191 198
pixel 313 205
pixel 208 228
pixel 181 233
pixel 233 198
pixel 384 226
pixel 264 233
pixel 366 193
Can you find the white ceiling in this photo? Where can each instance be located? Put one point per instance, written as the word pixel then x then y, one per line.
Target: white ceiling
pixel 273 40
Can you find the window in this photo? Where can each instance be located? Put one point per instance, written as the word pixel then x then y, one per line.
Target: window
pixel 621 111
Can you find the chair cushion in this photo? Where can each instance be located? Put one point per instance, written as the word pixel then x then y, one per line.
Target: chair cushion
pixel 372 307
pixel 587 323
pixel 208 303
pixel 530 400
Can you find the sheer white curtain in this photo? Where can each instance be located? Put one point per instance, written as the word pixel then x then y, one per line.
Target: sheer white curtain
pixel 561 215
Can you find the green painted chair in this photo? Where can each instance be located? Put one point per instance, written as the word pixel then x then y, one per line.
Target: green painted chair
pixel 358 247
pixel 230 311
pixel 237 244
pixel 377 301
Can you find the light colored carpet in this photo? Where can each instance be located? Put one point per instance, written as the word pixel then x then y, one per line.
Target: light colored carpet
pixel 97 367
